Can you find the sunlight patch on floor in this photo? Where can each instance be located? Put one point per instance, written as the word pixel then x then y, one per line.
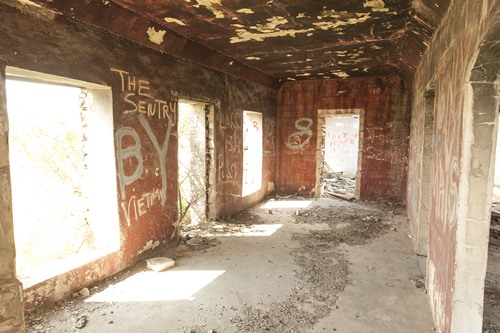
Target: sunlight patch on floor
pixel 150 286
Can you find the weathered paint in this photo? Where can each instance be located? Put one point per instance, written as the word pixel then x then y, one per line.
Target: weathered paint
pixel 146 86
pixel 384 104
pixel 449 60
pixel 395 32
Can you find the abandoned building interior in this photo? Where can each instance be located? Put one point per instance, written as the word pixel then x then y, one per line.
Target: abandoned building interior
pixel 126 126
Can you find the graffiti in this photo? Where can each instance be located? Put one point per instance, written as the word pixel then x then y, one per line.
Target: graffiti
pixel 233 121
pixel 137 95
pixel 341 139
pixel 255 125
pixel 227 172
pixel 375 135
pixel 299 139
pixel 228 164
pixel 138 206
pixel 392 157
pixel 123 154
pixel 270 136
pixel 234 144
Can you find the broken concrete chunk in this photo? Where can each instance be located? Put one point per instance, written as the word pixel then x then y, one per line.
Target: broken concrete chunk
pixel 160 263
pixel 85 292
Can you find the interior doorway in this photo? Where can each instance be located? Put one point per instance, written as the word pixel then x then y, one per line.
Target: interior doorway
pixel 195 157
pixel 339 153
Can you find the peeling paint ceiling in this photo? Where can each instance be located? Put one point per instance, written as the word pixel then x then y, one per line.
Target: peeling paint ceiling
pixel 285 39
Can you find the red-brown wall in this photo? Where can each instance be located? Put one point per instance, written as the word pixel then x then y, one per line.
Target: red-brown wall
pixel 55 45
pixel 384 107
pixel 447 63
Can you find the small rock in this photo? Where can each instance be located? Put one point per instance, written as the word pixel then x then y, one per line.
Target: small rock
pixel 110 322
pixel 297 212
pixel 195 241
pixel 270 212
pixel 75 295
pixel 160 263
pixel 81 322
pixel 393 229
pixel 85 292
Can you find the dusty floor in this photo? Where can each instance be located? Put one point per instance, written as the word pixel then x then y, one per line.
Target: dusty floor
pixel 282 266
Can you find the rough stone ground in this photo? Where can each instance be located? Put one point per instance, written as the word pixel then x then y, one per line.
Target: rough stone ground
pixel 290 265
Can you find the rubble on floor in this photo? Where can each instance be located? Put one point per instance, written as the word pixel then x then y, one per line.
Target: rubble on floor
pixel 338 186
pixel 282 272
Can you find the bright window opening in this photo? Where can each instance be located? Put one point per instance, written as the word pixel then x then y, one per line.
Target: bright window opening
pixel 63 173
pixel 193 177
pixel 252 152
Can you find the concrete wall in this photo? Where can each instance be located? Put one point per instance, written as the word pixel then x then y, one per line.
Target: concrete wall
pixel 40 41
pixel 11 309
pixel 384 133
pixel 448 62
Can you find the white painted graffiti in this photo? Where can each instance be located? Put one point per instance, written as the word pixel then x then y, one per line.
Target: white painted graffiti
pixel 134 152
pixel 137 94
pixel 299 139
pixel 138 206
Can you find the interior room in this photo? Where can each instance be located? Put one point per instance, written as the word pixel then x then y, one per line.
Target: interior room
pixel 310 166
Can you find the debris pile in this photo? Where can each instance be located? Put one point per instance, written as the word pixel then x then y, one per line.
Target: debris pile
pixel 338 186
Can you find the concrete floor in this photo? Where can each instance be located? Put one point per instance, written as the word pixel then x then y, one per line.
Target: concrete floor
pixel 282 266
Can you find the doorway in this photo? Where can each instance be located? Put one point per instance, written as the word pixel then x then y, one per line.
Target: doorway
pixel 339 153
pixel 195 162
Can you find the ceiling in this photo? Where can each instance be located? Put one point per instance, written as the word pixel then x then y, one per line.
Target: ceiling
pixel 281 39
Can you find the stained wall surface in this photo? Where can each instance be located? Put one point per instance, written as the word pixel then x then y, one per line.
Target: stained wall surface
pixel 447 62
pixel 385 117
pixel 145 88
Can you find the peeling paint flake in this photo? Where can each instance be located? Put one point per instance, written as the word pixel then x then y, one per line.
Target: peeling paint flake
pixel 301 15
pixel 376 5
pixel 156 36
pixel 210 5
pixel 252 58
pixel 29 3
pixel 339 73
pixel 174 20
pixel 268 30
pixel 245 11
pixel 329 25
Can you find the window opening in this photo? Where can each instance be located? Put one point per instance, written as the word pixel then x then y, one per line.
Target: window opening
pixel 62 171
pixel 252 152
